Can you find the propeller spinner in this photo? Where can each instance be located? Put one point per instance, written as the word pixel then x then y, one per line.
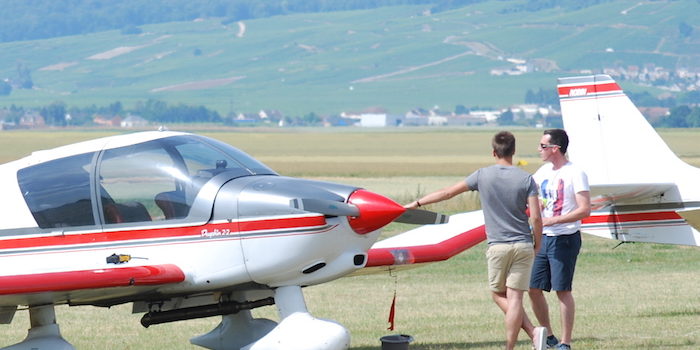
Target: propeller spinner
pixel 368 211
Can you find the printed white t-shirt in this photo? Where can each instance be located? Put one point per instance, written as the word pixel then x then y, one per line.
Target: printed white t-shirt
pixel 558 190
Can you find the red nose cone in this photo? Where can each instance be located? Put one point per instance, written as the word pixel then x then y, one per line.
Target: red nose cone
pixel 375 211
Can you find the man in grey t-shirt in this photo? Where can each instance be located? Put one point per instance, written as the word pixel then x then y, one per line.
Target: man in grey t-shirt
pixel 513 236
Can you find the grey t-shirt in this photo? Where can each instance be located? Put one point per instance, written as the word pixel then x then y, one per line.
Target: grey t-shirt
pixel 504 191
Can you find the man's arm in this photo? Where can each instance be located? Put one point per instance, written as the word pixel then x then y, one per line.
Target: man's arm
pixel 439 195
pixel 533 204
pixel 583 210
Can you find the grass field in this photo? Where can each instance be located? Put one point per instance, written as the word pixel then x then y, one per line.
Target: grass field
pixel 636 296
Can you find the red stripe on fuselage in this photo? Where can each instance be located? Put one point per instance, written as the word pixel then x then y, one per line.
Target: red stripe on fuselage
pixel 632 217
pixel 232 228
pixel 91 279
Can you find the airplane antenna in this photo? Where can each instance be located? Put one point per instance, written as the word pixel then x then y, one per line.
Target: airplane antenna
pixel 619 244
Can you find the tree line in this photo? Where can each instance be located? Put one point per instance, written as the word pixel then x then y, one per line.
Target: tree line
pixel 684 112
pixel 37 19
pixel 58 114
pixel 40 19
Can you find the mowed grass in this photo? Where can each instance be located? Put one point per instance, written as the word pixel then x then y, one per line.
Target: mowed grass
pixel 636 296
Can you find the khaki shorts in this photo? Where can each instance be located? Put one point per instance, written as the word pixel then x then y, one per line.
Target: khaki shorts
pixel 510 266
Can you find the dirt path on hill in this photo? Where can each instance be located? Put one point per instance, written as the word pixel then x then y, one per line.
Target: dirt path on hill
pixel 198 85
pixel 411 69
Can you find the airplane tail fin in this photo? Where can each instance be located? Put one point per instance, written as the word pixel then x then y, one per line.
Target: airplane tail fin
pixel 640 190
pixel 615 145
pixel 610 138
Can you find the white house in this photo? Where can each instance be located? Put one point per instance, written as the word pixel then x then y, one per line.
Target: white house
pixel 378 120
pixel 133 121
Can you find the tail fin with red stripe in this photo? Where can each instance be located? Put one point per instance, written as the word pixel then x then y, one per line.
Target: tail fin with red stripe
pixel 610 136
pixel 634 175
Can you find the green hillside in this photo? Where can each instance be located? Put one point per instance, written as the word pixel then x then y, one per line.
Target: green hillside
pixel 394 57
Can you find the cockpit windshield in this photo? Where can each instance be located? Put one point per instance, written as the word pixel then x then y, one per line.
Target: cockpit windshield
pixel 159 179
pixel 149 181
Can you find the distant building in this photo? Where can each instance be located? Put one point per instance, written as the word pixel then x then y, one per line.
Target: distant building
pixel 417 117
pixel 133 121
pixel 31 119
pixel 466 120
pixel 491 116
pixel 102 120
pixel 528 111
pixel 270 115
pixel 439 120
pixel 248 118
pixel 372 120
pixel 337 120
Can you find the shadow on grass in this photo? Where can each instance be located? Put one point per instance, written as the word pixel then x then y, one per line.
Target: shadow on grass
pixel 671 313
pixel 465 345
pixel 444 346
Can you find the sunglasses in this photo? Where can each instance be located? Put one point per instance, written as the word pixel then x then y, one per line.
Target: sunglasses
pixel 543 146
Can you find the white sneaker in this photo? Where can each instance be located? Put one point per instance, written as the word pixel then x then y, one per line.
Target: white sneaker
pixel 540 338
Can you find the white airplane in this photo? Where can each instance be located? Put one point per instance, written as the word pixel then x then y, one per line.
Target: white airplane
pixel 184 227
pixel 640 190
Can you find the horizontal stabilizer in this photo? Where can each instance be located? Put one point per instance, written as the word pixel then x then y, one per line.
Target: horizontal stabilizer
pixel 422 217
pixel 325 207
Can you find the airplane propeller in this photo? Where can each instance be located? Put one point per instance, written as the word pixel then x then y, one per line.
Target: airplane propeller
pixel 325 207
pixel 369 204
pixel 422 217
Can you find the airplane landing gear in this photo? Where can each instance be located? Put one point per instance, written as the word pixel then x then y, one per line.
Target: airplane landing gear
pixel 43 333
pixel 297 330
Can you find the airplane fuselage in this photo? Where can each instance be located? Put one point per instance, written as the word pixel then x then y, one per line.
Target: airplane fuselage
pixel 167 215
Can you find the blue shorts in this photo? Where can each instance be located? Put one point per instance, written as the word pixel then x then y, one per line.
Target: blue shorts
pixel 555 263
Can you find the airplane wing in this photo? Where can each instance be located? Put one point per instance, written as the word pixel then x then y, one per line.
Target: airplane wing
pixel 90 279
pixel 644 195
pixel 425 244
pixel 639 212
pixel 629 193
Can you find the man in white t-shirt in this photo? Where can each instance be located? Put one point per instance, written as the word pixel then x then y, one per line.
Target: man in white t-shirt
pixel 565 200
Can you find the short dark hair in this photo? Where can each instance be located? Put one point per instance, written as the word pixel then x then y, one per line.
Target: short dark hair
pixel 558 137
pixel 503 144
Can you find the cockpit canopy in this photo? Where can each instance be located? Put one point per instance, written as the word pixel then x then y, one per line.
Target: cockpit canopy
pixel 150 181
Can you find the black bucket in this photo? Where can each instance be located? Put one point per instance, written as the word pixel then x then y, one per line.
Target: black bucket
pixel 396 342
